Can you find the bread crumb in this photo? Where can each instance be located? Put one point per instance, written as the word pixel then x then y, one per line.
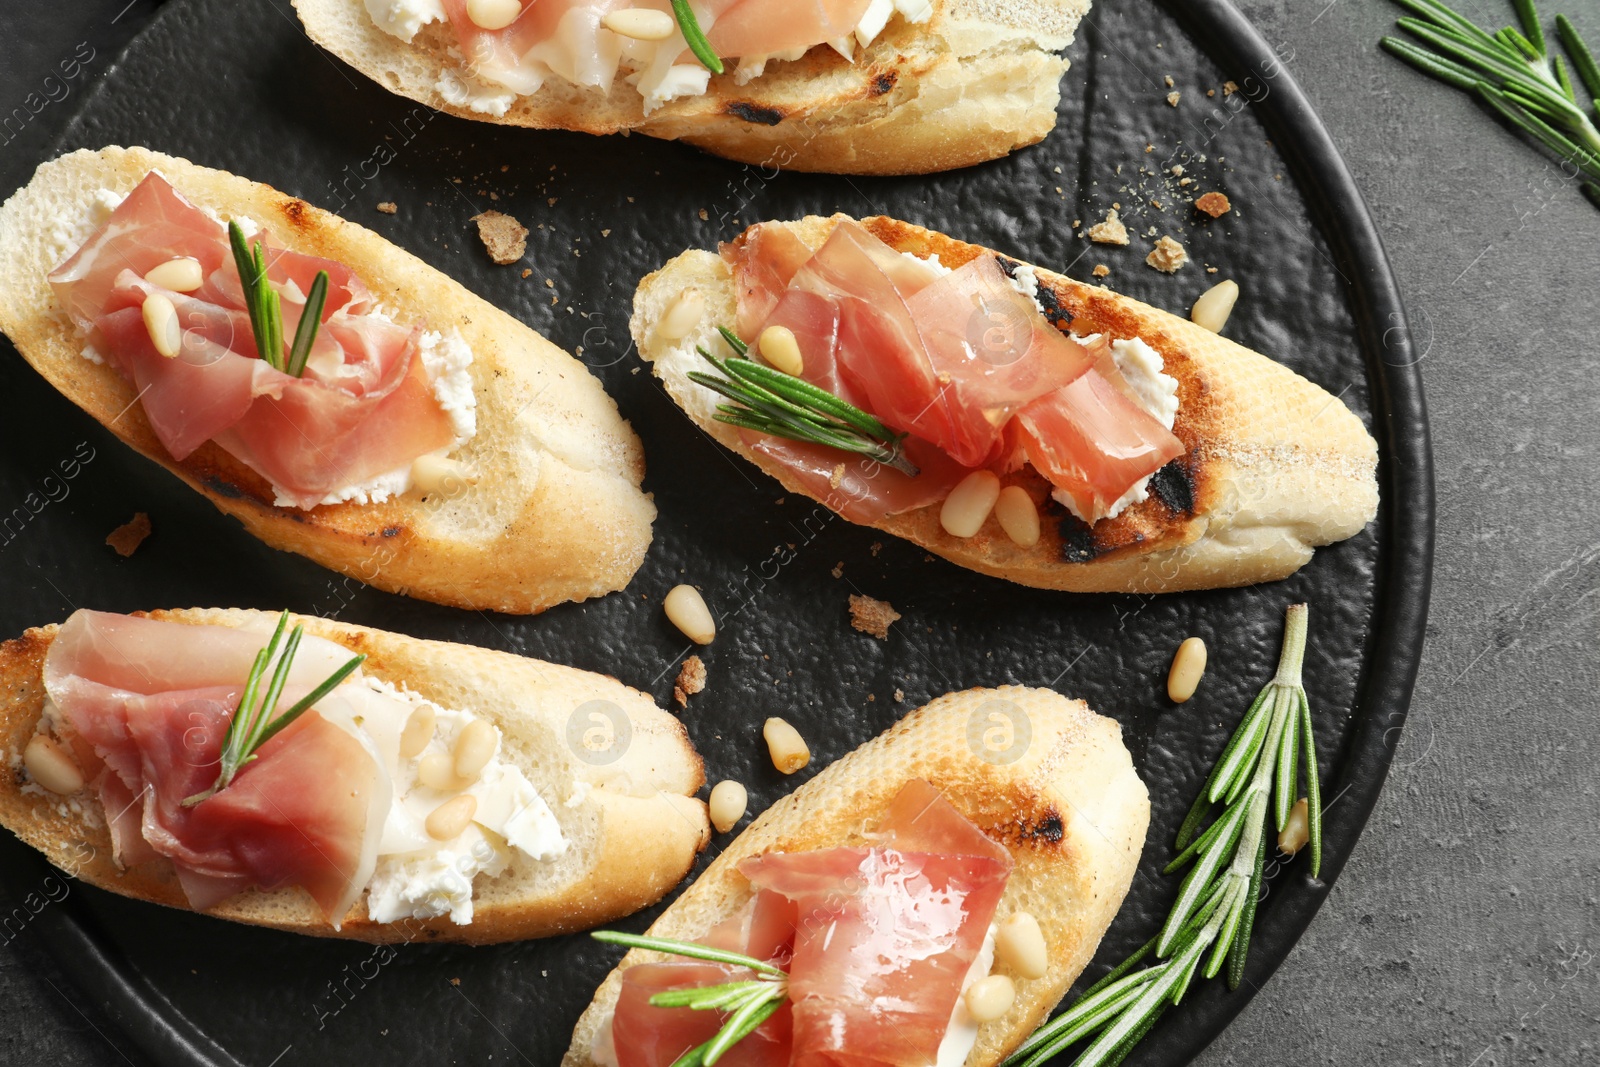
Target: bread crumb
pixel 130 535
pixel 503 237
pixel 1173 97
pixel 872 616
pixel 836 478
pixel 1211 270
pixel 1214 204
pixel 1109 232
pixel 899 696
pixel 875 548
pixel 705 216
pixel 455 981
pixel 1169 81
pixel 605 233
pixel 1101 270
pixel 691 680
pixel 1229 88
pixel 1177 170
pixel 527 272
pixel 1211 92
pixel 551 201
pixel 1168 255
pixel 388 207
pixel 838 569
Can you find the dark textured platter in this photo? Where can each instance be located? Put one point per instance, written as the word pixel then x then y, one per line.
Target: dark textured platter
pixel 237 86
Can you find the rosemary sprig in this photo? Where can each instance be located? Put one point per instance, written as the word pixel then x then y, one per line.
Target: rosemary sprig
pixel 1210 923
pixel 1514 72
pixel 747 1004
pixel 695 36
pixel 252 724
pixel 769 401
pixel 266 307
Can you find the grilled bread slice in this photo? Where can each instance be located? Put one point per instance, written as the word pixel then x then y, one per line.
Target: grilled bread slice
pixel 633 830
pixel 1275 465
pixel 1062 795
pixel 556 513
pixel 977 80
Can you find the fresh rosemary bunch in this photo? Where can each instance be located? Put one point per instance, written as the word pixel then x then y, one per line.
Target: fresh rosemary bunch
pixel 266 307
pixel 252 724
pixel 747 1004
pixel 695 36
pixel 1514 72
pixel 1216 904
pixel 769 401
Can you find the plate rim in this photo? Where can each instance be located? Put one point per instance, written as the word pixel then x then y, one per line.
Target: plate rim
pixel 92 962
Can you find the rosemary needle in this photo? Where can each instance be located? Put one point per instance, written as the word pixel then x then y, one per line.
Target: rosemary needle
pixel 1514 72
pixel 253 724
pixel 1210 924
pixel 695 36
pixel 266 307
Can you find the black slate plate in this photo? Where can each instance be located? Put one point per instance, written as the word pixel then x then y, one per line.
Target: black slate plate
pixel 238 87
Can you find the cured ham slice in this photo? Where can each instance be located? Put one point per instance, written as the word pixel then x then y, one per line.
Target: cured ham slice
pixel 364 407
pixel 1094 443
pixel 153 699
pixel 762 27
pixel 878 941
pixel 961 361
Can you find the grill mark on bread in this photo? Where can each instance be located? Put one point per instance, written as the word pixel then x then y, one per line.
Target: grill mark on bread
pixel 1174 486
pixel 755 113
pixel 884 82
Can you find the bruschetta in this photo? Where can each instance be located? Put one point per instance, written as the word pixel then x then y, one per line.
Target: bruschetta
pixel 436 792
pixel 840 86
pixel 1017 422
pixel 410 435
pixel 989 837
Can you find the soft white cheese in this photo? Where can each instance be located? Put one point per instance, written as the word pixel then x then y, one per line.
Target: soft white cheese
pixel 472 94
pixel 420 877
pixel 403 18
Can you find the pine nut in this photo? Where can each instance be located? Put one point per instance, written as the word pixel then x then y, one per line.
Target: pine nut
pixel 434 474
pixel 1188 664
pixel 161 322
pixel 1215 305
pixel 446 822
pixel 1297 831
pixel 1018 515
pixel 785 745
pixel 418 732
pixel 640 23
pixel 437 771
pixel 1019 945
pixel 493 14
pixel 728 802
pixel 990 998
pixel 475 748
pixel 682 316
pixel 181 275
pixel 967 507
pixel 779 348
pixel 686 609
pixel 51 765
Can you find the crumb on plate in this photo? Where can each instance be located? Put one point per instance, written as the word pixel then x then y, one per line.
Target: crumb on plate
pixel 872 616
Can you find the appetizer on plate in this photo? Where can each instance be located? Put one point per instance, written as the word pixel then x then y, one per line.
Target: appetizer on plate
pixel 928 899
pixel 1012 420
pixel 341 781
pixel 842 86
pixel 335 394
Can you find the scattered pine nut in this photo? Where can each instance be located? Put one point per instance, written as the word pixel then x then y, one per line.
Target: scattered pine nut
pixel 181 275
pixel 1297 831
pixel 1018 515
pixel 1215 305
pixel 967 507
pixel 728 803
pixel 1188 665
pixel 1019 945
pixel 418 732
pixel 161 322
pixel 475 747
pixel 779 348
pixel 50 765
pixel 990 998
pixel 493 14
pixel 446 822
pixel 686 609
pixel 785 745
pixel 640 23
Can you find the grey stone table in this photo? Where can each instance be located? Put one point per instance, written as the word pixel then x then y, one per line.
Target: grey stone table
pixel 1463 932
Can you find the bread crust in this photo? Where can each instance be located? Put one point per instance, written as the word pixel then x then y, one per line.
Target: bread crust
pixel 1275 465
pixel 557 513
pixel 633 836
pixel 978 80
pixel 1069 806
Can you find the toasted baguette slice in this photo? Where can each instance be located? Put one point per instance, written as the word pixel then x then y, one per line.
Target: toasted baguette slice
pixel 1275 465
pixel 977 80
pixel 1063 796
pixel 633 832
pixel 556 513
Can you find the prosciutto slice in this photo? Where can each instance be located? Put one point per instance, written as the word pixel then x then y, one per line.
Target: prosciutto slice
pixel 153 700
pixel 363 408
pixel 877 941
pixel 961 361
